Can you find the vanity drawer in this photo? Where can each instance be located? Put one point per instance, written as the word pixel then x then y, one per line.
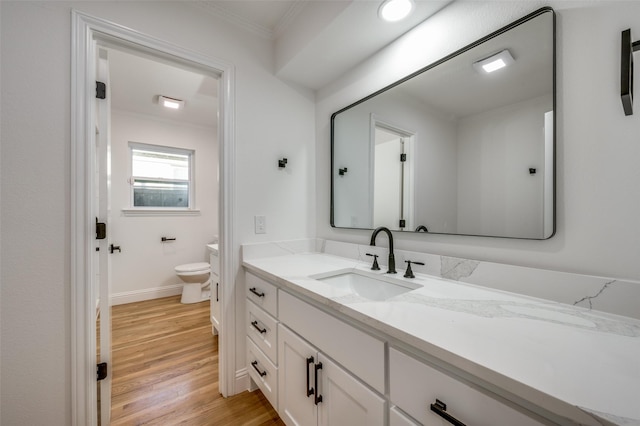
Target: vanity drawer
pixel 262 293
pixel 263 372
pixel 398 418
pixel 262 328
pixel 415 386
pixel 357 351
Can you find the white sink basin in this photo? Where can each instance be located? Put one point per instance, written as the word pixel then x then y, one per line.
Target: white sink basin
pixel 369 286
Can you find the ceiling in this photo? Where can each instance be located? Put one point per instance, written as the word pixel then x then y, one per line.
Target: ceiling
pixel 137 81
pixel 315 41
pixel 318 40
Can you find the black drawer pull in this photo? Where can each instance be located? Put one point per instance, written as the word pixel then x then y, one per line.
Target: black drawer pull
pixel 310 390
pixel 255 365
pixel 317 398
pixel 255 325
pixel 440 408
pixel 217 295
pixel 254 291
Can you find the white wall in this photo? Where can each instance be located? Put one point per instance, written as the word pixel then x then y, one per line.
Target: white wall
pixel 435 160
pixel 497 195
pixel 597 146
pixel 273 120
pixel 145 263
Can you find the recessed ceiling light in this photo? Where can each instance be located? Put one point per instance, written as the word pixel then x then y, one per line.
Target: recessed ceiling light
pixel 395 10
pixel 493 62
pixel 170 103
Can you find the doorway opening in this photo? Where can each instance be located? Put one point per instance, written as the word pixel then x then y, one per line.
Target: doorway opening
pixel 163 178
pixel 393 170
pixel 89 36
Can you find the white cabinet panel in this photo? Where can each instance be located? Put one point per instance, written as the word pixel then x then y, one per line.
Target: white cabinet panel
pixel 263 372
pixel 214 263
pixel 398 418
pixel 296 406
pixel 358 352
pixel 414 386
pixel 345 400
pixel 262 328
pixel 262 293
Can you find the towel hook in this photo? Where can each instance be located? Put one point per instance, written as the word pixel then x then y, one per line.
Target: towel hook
pixel 626 70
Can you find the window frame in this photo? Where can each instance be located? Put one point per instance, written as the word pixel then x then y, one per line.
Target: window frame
pixel 133 210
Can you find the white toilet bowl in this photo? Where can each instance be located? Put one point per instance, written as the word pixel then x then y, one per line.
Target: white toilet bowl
pixel 196 281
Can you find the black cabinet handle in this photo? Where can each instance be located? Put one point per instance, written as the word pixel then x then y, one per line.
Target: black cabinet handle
pixel 255 325
pixel 255 366
pixel 217 298
pixel 310 390
pixel 253 290
pixel 440 408
pixel 317 398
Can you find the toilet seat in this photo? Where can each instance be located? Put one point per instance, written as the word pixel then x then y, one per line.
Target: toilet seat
pixel 192 268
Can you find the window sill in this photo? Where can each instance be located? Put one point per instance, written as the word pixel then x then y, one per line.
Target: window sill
pixel 160 212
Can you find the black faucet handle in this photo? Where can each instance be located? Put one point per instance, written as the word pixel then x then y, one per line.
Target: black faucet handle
pixel 409 273
pixel 375 266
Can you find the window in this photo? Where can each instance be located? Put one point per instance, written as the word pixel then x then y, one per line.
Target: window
pixel 161 177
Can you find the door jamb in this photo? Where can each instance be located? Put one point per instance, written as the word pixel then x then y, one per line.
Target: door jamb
pixel 86 29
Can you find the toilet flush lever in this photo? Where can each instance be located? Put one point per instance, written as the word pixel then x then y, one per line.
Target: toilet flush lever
pixel 113 248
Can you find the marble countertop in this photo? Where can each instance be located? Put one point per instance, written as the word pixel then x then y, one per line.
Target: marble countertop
pixel 576 363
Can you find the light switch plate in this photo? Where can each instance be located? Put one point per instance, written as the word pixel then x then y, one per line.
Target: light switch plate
pixel 260 224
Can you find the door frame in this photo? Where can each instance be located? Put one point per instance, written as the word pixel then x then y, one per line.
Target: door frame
pixel 85 30
pixel 375 121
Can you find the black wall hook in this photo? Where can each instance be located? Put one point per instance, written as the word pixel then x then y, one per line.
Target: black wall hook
pixel 282 163
pixel 626 71
pixel 341 172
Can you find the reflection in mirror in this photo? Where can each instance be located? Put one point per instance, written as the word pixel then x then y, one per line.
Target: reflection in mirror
pixel 463 146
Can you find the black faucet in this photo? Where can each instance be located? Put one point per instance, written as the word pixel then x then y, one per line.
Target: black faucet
pixel 392 258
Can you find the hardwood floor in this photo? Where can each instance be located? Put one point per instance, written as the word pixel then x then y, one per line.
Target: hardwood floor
pixel 165 370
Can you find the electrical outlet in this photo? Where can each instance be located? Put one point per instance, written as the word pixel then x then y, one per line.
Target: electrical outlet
pixel 260 224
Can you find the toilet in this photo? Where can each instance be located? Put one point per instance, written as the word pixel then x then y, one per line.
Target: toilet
pixel 196 281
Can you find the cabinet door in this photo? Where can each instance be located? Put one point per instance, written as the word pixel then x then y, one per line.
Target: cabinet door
pixel 216 294
pixel 296 360
pixel 346 400
pixel 215 303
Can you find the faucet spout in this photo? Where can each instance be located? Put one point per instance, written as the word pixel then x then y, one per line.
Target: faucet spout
pixel 392 258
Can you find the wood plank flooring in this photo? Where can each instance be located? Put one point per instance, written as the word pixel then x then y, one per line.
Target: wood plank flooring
pixel 165 370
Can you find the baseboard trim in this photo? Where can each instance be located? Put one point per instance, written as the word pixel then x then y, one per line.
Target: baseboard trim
pixel 145 294
pixel 242 380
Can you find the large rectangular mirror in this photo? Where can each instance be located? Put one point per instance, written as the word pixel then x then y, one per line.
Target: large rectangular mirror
pixel 463 146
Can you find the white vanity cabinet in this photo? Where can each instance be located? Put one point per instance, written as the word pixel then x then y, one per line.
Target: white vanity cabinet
pixel 313 390
pixel 262 336
pixel 312 367
pixel 214 264
pixel 415 387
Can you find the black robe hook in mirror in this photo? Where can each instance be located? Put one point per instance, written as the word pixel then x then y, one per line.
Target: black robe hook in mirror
pixel 626 71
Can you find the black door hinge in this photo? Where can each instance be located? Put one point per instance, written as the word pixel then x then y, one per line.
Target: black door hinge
pixel 101 90
pixel 102 371
pixel 403 158
pixel 101 230
pixel 403 223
